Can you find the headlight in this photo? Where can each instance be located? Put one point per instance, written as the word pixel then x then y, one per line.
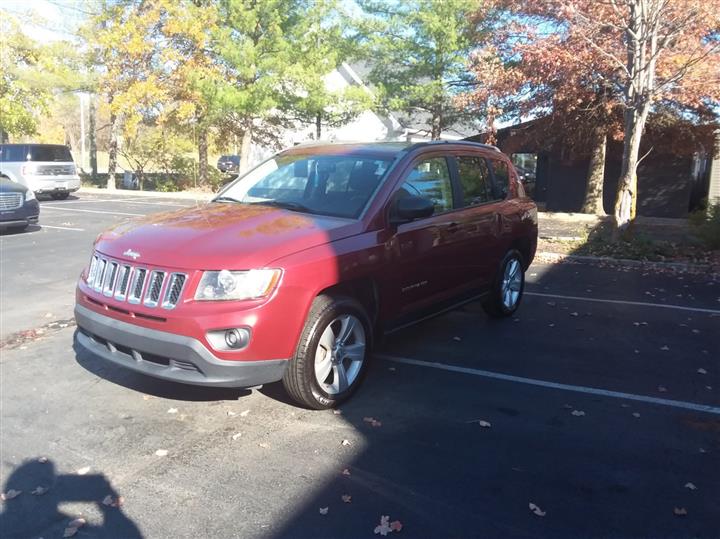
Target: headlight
pixel 225 284
pixel 29 195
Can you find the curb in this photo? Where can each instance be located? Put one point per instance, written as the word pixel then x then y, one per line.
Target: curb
pixel 676 267
pixel 186 195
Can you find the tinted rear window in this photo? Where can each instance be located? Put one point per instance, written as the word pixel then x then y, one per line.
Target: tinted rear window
pixel 50 153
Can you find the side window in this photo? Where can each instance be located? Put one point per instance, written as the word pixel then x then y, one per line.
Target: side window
pixel 475 180
pixel 14 153
pixel 430 179
pixel 502 178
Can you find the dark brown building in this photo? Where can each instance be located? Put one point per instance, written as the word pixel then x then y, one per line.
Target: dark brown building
pixel 673 179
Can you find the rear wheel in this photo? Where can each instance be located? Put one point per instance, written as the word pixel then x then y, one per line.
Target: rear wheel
pixel 331 358
pixel 508 288
pixel 61 196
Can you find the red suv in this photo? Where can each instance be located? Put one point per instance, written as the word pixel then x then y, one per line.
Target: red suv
pixel 296 268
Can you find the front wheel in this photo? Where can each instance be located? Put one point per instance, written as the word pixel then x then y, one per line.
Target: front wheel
pixel 331 357
pixel 508 287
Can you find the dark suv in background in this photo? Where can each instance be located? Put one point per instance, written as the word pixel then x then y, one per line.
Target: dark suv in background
pixel 229 164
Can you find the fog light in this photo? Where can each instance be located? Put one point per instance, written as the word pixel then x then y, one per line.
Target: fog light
pixel 234 338
pixel 229 339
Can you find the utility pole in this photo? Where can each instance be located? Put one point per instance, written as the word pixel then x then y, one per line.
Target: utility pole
pixel 82 130
pixel 93 139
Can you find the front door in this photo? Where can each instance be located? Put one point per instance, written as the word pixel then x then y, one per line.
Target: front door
pixel 425 255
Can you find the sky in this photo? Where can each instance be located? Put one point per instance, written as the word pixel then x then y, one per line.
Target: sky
pixel 49 20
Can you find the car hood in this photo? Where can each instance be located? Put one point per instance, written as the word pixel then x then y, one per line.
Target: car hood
pixel 220 235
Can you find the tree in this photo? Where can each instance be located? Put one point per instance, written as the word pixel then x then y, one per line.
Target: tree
pixel 612 61
pixel 23 96
pixel 272 61
pixel 418 51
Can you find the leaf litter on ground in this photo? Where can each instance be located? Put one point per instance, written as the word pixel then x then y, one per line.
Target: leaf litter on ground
pixel 535 509
pixel 10 494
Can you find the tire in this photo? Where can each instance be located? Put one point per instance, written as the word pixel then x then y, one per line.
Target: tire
pixel 316 357
pixel 60 196
pixel 507 290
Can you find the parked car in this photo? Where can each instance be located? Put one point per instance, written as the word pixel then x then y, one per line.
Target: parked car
pixel 18 206
pixel 42 168
pixel 295 269
pixel 229 164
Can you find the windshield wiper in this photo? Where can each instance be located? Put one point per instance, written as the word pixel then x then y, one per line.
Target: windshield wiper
pixel 286 205
pixel 226 199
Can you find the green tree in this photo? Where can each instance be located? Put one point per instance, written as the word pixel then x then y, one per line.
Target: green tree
pixel 273 55
pixel 23 95
pixel 418 50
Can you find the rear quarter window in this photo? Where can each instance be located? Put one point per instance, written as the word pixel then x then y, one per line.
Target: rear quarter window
pixel 12 153
pixel 50 153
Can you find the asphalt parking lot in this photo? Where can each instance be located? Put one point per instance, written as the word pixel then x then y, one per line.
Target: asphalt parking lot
pixel 599 404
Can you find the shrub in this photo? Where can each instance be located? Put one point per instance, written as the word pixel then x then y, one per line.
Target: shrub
pixel 706 226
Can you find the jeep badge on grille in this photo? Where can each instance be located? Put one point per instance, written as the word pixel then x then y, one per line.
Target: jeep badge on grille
pixel 132 254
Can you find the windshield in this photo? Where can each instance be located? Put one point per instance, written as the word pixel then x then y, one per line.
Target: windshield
pixel 337 185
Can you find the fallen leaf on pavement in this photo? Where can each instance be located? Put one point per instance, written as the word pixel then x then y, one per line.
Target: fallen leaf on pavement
pixel 345 442
pixel 535 509
pixel 662 389
pixel 337 412
pixel 43 460
pixel 665 348
pixel 10 494
pixel 112 502
pixel 108 500
pixel 392 369
pixel 73 527
pixel 690 486
pixel 264 445
pixel 374 422
pixel 384 527
pixel 39 491
pixel 457 339
pixel 578 413
pixel 236 436
pixel 346 472
pixel 680 511
pixel 636 414
pixel 703 450
pixel 161 452
pixel 346 498
pixel 568 406
pixel 230 413
pixel 573 314
pixel 84 470
pixel 702 371
pixel 324 510
pixel 245 413
pixel 172 411
pixel 396 526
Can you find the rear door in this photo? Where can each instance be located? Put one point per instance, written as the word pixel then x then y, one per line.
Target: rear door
pixel 482 200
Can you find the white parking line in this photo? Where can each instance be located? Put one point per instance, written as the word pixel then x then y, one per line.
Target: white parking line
pixel 553 385
pixel 624 302
pixel 94 211
pixel 63 228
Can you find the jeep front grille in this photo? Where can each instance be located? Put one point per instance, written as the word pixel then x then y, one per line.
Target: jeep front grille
pixel 133 284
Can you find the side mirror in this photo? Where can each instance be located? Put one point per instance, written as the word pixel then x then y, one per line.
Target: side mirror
pixel 409 208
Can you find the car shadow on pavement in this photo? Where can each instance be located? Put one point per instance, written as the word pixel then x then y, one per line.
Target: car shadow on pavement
pixel 18 232
pixel 152 386
pixel 34 493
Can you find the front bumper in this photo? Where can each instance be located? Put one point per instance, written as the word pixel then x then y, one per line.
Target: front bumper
pixel 28 214
pixel 168 356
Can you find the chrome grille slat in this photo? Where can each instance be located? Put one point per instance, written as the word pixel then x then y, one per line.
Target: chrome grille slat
pixel 109 282
pixel 11 201
pixel 155 283
pixel 138 285
pixel 133 284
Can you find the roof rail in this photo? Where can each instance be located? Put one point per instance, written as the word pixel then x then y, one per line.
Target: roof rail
pixel 460 142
